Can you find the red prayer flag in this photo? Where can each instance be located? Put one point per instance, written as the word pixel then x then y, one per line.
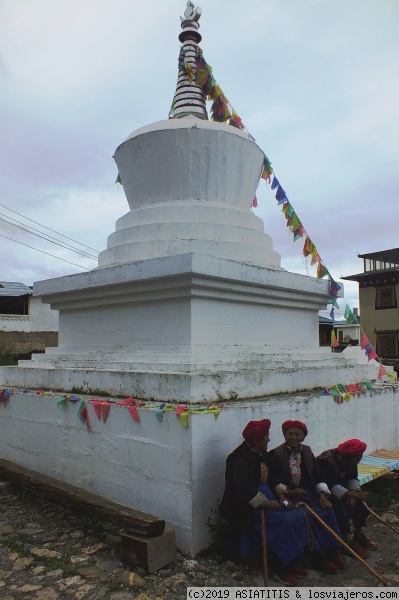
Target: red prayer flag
pixel 105 406
pixel 334 341
pixel 84 413
pixel 134 412
pixel 97 408
pixel 364 341
pixel 372 354
pixel 129 401
pixel 382 372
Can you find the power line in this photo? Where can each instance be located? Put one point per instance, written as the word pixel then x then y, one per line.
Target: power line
pixel 48 253
pixel 49 228
pixel 45 236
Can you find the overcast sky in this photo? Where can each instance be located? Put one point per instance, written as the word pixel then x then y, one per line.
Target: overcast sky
pixel 315 82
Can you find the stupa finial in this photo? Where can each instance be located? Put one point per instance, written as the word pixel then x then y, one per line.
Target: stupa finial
pixel 189 98
pixel 192 12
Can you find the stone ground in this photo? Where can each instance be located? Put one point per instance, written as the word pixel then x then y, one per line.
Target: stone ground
pixel 48 552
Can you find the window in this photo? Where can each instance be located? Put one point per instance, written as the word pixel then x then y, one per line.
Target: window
pixel 385 262
pixel 387 343
pixel 385 297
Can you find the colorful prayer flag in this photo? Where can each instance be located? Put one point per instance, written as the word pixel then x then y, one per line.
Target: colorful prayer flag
pixel 322 271
pixel 334 288
pixel 105 406
pixel 275 183
pixel 134 412
pixel 364 341
pixel 382 371
pixel 315 256
pixel 180 409
pixel 97 408
pixel 280 194
pixel 334 342
pixel 349 316
pixel 308 247
pixel 372 354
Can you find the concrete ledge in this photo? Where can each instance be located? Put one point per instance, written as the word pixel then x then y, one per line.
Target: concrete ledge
pixel 169 386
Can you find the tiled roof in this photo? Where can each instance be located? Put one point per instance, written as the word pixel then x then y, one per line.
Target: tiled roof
pixel 14 288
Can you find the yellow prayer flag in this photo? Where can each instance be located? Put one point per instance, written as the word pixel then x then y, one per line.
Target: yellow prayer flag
pixel 334 342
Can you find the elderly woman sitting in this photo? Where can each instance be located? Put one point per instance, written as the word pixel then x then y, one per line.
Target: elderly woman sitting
pixel 339 468
pixel 301 481
pixel 249 484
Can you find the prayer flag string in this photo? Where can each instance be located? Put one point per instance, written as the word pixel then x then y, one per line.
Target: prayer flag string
pixel 222 111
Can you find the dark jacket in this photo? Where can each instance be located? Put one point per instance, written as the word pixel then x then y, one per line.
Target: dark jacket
pixel 242 478
pixel 310 471
pixel 334 470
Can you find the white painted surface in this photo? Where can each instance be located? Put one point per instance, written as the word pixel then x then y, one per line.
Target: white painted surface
pixel 165 469
pixel 15 323
pixel 186 328
pixel 190 185
pixel 42 317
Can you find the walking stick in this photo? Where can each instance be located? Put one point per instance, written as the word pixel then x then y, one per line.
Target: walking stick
pixel 379 518
pixel 344 544
pixel 264 550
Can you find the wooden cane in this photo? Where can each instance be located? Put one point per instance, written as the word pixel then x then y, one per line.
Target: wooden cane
pixel 264 549
pixel 379 518
pixel 344 544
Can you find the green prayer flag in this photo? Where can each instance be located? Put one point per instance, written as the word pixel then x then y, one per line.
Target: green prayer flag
pixel 349 316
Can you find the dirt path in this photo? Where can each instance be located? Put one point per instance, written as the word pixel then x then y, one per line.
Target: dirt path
pixel 50 553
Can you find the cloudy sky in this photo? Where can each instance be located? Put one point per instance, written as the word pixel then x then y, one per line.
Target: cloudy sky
pixel 316 83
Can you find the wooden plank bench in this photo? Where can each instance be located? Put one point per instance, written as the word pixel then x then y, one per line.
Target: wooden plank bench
pixel 73 497
pixel 146 543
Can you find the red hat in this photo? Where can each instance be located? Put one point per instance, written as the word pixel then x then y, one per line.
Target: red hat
pixel 256 430
pixel 289 424
pixel 352 448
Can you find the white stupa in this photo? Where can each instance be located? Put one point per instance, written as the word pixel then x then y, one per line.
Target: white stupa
pixel 189 301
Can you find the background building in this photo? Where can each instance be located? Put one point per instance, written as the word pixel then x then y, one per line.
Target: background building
pixel 26 324
pixel 378 290
pixel 347 334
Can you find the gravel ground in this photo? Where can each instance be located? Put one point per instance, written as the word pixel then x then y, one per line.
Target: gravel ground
pixel 48 552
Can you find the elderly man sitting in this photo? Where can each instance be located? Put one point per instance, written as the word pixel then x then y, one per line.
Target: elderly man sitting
pixel 339 468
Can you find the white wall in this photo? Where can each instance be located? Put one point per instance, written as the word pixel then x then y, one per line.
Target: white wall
pixel 15 323
pixel 166 469
pixel 41 318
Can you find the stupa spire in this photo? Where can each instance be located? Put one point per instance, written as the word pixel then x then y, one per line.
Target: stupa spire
pixel 189 97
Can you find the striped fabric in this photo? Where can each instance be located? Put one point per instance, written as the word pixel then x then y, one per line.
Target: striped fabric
pixel 376 464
